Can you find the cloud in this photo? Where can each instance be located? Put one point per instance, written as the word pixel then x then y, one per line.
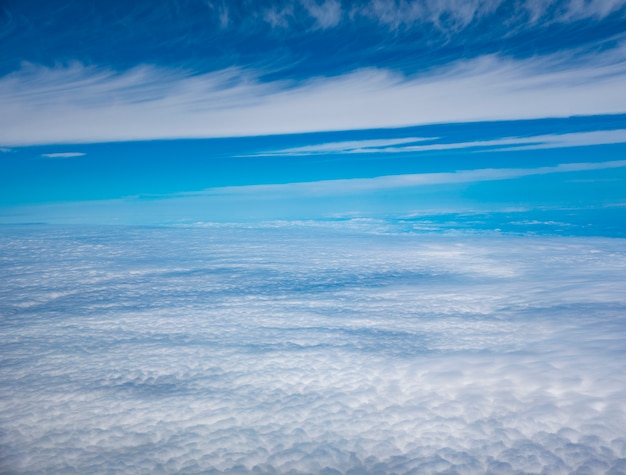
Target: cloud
pixel 63 155
pixel 221 12
pixel 577 10
pixel 385 195
pixel 401 145
pixel 446 15
pixel 450 16
pixel 454 15
pixel 580 139
pixel 327 14
pixel 389 182
pixel 278 16
pixel 352 146
pixel 88 104
pixel 303 349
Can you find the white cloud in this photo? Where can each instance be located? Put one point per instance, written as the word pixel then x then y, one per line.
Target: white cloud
pixel 352 146
pixel 327 14
pixel 447 15
pixel 87 104
pixel 221 12
pixel 580 139
pixel 454 15
pixel 279 16
pixel 150 350
pixel 388 182
pixel 602 137
pixel 63 155
pixel 580 9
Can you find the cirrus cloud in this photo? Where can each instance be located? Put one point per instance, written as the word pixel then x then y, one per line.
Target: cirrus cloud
pixel 63 155
pixel 88 104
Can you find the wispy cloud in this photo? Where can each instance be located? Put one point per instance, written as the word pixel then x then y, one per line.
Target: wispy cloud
pixel 327 13
pixel 445 15
pixel 279 15
pixel 352 146
pixel 400 145
pixel 63 155
pixel 455 15
pixel 581 139
pixel 88 104
pixel 360 185
pixel 449 15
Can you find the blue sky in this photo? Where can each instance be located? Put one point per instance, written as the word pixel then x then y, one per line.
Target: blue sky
pixel 186 111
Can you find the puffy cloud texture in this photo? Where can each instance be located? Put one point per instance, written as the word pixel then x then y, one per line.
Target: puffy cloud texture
pixel 307 349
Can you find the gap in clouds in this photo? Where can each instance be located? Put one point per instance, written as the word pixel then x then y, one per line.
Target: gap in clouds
pixel 571 163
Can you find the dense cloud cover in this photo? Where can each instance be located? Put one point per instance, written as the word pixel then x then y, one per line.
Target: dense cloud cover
pixel 310 350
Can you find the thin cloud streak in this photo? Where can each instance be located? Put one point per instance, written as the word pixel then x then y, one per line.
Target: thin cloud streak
pixel 79 104
pixel 63 155
pixel 582 139
pixel 602 137
pixel 351 146
pixel 355 185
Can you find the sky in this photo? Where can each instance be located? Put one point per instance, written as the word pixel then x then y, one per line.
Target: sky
pixel 313 237
pixel 198 111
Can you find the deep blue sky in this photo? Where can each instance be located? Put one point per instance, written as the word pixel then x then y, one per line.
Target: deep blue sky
pixel 298 39
pixel 176 111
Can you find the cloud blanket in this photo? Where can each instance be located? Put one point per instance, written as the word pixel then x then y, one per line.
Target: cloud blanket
pixel 308 349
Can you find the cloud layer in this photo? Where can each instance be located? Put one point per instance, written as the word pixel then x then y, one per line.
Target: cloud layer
pixel 309 350
pixel 214 69
pixel 89 104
